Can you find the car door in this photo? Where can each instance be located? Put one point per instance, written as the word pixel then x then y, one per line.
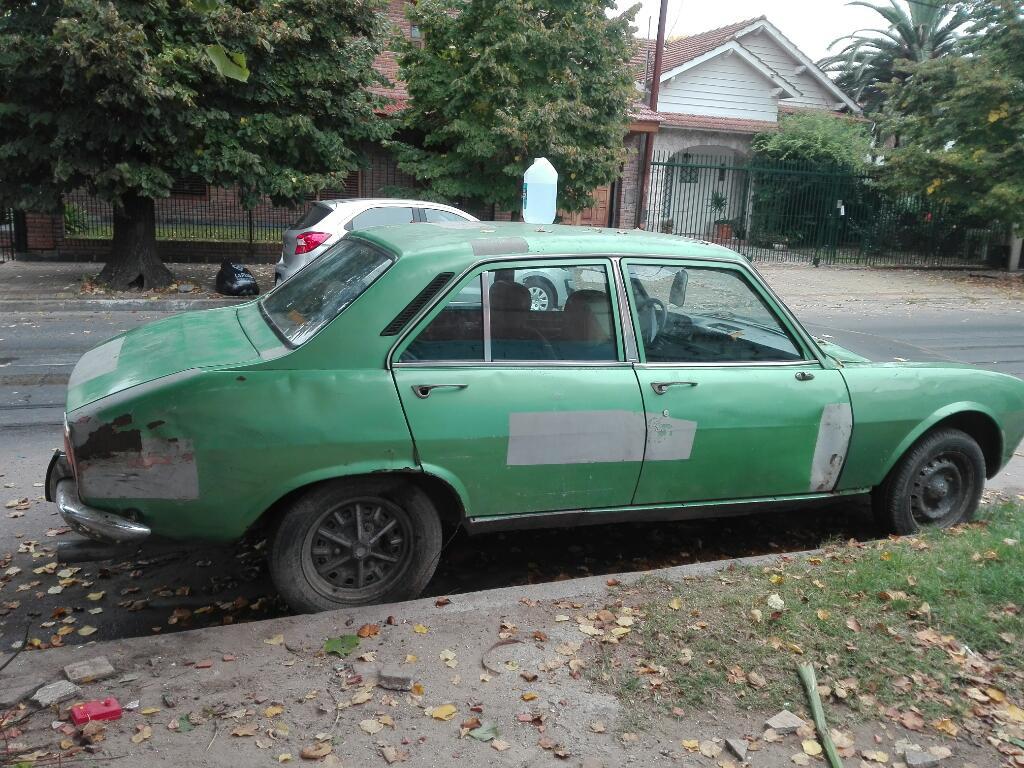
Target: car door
pixel 737 404
pixel 522 410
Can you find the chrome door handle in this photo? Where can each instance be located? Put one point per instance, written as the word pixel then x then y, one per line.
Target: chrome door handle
pixel 660 387
pixel 804 376
pixel 422 391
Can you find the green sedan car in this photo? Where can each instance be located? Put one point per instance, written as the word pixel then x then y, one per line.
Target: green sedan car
pixel 403 386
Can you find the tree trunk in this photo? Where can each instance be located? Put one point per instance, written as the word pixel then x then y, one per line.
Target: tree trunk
pixel 133 261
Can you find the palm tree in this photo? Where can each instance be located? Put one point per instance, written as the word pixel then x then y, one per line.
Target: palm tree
pixel 927 30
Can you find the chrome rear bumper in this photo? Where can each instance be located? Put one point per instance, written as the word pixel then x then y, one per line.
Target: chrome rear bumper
pixel 92 522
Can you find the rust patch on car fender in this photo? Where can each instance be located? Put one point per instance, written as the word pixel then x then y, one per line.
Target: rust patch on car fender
pixel 125 464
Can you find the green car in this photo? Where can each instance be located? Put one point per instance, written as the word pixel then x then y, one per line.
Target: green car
pixel 403 386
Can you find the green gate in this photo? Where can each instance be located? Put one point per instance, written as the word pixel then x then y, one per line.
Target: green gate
pixel 801 212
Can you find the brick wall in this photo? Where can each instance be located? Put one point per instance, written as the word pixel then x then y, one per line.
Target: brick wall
pixel 629 188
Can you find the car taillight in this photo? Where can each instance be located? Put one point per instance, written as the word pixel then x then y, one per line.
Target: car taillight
pixel 307 241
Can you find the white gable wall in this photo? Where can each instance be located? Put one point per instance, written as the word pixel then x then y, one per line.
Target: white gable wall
pixel 725 86
pixel 764 46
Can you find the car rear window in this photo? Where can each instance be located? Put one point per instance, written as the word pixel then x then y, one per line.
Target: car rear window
pixel 312 217
pixel 301 306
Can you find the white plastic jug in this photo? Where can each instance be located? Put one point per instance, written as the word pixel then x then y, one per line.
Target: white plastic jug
pixel 540 192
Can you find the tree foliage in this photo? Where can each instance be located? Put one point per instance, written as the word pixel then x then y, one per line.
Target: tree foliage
pixel 916 31
pixel 122 98
pixel 816 138
pixel 497 83
pixel 961 120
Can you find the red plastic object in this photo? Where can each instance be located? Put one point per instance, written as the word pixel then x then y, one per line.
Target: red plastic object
pixel 108 709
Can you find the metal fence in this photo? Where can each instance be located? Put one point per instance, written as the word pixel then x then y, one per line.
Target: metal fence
pixel 801 212
pixel 207 214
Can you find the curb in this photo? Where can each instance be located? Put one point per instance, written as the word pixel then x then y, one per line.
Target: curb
pixel 126 305
pixel 311 629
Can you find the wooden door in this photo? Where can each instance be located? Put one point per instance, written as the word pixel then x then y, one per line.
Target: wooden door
pixel 596 215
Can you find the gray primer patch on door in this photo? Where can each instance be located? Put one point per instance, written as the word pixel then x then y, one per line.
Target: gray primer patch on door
pixel 96 362
pixel 574 437
pixel 833 442
pixel 669 439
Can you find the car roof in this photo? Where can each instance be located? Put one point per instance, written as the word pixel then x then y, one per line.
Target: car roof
pixel 375 202
pixel 475 240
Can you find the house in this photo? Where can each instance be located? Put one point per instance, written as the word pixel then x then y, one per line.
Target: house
pixel 717 89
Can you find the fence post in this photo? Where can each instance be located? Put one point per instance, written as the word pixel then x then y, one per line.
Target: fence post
pixel 252 235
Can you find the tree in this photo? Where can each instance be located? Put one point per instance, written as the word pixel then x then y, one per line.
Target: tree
pixel 497 83
pixel 122 98
pixel 925 30
pixel 816 138
pixel 961 120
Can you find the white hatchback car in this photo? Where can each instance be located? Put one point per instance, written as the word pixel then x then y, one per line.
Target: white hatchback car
pixel 327 221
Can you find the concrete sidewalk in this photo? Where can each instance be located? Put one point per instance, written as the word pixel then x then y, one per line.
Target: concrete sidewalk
pixel 35 286
pixel 518 659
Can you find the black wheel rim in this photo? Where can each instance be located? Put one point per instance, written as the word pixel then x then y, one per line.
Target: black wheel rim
pixel 942 486
pixel 358 548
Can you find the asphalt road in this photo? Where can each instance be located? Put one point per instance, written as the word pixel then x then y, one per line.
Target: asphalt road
pixel 204 587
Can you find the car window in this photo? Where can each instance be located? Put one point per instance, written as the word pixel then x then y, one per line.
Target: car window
pixel 378 217
pixel 455 333
pixel 705 315
pixel 312 217
pixel 537 314
pixel 434 216
pixel 301 306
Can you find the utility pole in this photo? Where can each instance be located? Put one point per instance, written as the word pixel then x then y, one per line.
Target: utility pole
pixel 645 170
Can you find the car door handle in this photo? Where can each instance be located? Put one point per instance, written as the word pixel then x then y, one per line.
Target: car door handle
pixel 660 387
pixel 422 391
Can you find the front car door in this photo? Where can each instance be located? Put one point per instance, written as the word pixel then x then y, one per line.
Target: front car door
pixel 738 405
pixel 523 409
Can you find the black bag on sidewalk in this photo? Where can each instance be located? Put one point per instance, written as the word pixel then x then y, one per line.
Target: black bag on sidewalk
pixel 236 280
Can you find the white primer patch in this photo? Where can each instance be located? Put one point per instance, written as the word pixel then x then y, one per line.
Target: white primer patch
pixel 834 432
pixel 669 439
pixel 96 362
pixel 574 437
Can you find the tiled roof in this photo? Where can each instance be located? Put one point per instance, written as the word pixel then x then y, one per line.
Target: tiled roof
pixel 685 49
pixel 640 111
pixel 708 123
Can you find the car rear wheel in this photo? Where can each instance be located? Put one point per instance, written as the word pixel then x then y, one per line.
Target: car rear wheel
pixel 361 542
pixel 542 294
pixel 936 484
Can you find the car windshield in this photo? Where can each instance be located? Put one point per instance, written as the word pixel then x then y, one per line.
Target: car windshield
pixel 301 306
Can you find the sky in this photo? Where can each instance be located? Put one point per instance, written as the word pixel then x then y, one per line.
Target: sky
pixel 810 24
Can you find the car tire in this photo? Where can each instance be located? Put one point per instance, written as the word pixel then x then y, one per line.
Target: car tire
pixel 543 297
pixel 935 484
pixel 319 562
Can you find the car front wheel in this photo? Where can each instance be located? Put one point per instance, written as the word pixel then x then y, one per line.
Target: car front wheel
pixel 360 542
pixel 936 484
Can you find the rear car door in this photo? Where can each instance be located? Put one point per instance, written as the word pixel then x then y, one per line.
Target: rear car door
pixel 523 410
pixel 737 405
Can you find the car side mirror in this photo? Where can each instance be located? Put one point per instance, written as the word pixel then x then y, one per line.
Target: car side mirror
pixel 677 294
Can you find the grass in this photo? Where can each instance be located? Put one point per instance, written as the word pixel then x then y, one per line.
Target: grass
pixel 884 623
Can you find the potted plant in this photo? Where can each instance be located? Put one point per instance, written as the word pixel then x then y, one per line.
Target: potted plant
pixel 723 225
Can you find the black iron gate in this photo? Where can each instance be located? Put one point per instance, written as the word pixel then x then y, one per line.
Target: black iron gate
pixel 802 212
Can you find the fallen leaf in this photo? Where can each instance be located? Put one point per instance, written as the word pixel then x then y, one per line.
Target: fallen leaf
pixel 443 712
pixel 95 596
pixel 142 733
pixel 284 757
pixel 249 729
pixel 342 645
pixel 275 640
pixel 486 732
pixel 420 629
pixel 371 726
pixel 853 625
pixel 368 630
pixel 756 680
pixel 273 711
pixel 321 749
pixel 691 745
pixel 149 710
pixel 811 747
pixel 823 615
pixel 441 602
pixel 598 727
pixel 710 749
pixel 947 726
pixel 529 696
pixel 500 745
pixel 801 759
